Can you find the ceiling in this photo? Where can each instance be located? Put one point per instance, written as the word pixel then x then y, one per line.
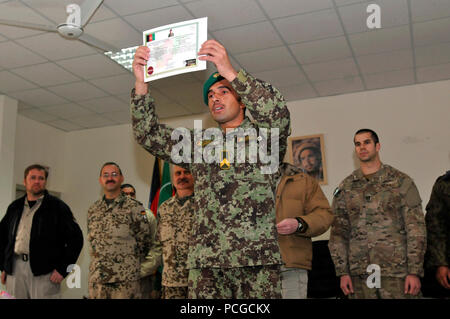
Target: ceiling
pixel 306 48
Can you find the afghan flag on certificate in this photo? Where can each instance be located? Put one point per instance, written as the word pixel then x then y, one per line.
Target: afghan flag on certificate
pixel 150 37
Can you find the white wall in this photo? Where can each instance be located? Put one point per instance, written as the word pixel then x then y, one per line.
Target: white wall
pixel 37 143
pixel 8 115
pixel 412 123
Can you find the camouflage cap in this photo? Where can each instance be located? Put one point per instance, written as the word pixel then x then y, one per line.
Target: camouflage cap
pixel 215 77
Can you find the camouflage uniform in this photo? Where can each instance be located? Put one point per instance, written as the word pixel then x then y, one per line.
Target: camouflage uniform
pixel 378 220
pixel 174 226
pixel 234 224
pixel 119 235
pixel 152 261
pixel 438 223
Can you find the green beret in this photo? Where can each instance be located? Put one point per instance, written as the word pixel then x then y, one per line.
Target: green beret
pixel 215 77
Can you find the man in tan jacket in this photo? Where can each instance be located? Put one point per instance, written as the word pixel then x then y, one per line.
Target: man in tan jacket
pixel 302 212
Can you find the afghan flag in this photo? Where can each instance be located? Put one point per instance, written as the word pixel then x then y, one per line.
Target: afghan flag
pixel 166 190
pixel 150 37
pixel 160 190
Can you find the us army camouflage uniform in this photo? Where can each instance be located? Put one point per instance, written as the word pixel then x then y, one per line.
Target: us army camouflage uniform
pixel 173 233
pixel 438 223
pixel 234 224
pixel 119 236
pixel 378 221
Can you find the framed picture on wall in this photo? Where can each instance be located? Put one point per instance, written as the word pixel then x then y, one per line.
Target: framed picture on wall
pixel 307 153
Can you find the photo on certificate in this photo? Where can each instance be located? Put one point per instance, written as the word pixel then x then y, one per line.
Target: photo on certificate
pixel 307 153
pixel 174 48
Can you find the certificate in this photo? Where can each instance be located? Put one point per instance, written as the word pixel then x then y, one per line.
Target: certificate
pixel 174 48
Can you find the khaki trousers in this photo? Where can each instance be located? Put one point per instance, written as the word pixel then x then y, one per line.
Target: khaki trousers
pixel 22 284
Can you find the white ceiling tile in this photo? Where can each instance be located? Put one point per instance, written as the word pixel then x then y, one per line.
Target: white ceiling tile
pixel 331 70
pixel 38 97
pixel 381 40
pixel 156 18
pixel 92 66
pixel 267 59
pixel 389 79
pixel 46 74
pixel 17 33
pixel 124 97
pixel 17 11
pixel 321 24
pixel 282 8
pixel 23 106
pixel 116 84
pixel 298 92
pixel 429 9
pixel 115 32
pixel 37 115
pixel 56 10
pixel 78 91
pixel 106 104
pixel 13 55
pixel 67 111
pixel 347 2
pixel 384 62
pixel 92 121
pixel 247 38
pixel 321 50
pixel 282 77
pixel 431 32
pixel 54 47
pixel 11 82
pixel 171 110
pixel 121 117
pixel 435 54
pixel 126 8
pixel 188 95
pixel 221 15
pixel 339 86
pixel 64 125
pixel 393 13
pixel 177 81
pixel 433 73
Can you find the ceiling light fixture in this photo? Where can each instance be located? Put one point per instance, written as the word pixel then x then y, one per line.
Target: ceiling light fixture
pixel 124 57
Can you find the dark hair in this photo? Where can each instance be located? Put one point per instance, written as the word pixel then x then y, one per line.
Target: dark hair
pixel 366 130
pixel 110 163
pixel 128 185
pixel 35 166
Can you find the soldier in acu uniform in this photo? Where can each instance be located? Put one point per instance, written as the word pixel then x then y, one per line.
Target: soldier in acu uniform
pixel 119 234
pixel 438 231
pixel 378 221
pixel 234 251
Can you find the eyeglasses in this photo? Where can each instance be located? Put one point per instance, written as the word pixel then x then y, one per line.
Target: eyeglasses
pixel 107 175
pixel 130 193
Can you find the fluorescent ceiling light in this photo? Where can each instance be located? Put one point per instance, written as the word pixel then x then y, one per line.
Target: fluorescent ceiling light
pixel 124 57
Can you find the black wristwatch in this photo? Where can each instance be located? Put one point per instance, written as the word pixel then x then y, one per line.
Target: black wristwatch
pixel 300 224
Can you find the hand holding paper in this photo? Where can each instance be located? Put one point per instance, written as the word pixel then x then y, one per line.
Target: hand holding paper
pixel 216 53
pixel 139 63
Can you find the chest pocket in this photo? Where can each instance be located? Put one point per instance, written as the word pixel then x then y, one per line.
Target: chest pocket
pixel 120 224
